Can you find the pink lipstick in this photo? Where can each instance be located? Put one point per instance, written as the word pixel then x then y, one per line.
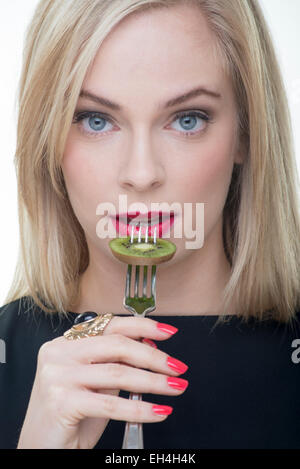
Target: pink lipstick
pixel 162 221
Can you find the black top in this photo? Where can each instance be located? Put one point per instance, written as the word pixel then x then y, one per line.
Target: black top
pixel 244 389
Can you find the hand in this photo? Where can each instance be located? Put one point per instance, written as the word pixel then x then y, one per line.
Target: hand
pixel 77 384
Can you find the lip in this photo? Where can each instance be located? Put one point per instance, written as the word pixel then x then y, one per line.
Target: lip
pixel 165 221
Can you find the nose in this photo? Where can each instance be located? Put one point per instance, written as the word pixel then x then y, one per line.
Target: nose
pixel 142 169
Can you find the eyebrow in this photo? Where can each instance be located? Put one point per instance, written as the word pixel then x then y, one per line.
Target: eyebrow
pixel 172 102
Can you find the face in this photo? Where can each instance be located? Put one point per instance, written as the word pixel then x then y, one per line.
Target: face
pixel 142 148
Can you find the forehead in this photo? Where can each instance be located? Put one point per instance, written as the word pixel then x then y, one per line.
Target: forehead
pixel 161 52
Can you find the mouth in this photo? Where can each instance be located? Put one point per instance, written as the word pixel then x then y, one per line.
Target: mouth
pixel 149 222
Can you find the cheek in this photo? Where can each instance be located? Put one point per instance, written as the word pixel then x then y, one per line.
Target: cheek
pixel 209 174
pixel 81 180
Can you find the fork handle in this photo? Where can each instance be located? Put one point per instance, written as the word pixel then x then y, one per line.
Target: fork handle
pixel 133 436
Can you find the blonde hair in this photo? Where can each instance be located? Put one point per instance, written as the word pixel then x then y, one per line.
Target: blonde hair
pixel 261 215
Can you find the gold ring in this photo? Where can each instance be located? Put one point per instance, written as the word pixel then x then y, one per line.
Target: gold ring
pixel 88 325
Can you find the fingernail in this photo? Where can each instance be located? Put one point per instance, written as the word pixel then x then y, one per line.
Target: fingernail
pixel 177 383
pixel 162 409
pixel 167 328
pixel 177 365
pixel 150 342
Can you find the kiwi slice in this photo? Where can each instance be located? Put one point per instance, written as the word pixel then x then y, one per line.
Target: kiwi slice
pixel 142 253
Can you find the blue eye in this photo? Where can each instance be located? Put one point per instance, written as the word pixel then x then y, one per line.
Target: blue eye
pixel 188 121
pixel 92 123
pixel 96 123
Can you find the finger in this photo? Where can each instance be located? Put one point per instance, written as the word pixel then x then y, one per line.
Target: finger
pixel 117 348
pixel 89 404
pixel 118 376
pixel 138 328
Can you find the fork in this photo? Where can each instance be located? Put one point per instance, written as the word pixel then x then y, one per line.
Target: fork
pixel 139 306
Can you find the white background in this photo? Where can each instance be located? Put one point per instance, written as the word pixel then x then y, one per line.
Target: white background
pixel 283 19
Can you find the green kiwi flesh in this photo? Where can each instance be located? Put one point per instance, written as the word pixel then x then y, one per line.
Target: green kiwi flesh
pixel 142 253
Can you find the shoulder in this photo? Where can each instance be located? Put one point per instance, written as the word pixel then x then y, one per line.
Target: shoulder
pixel 13 312
pixel 24 322
pixel 17 306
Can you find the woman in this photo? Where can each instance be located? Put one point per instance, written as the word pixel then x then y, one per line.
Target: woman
pixel 99 118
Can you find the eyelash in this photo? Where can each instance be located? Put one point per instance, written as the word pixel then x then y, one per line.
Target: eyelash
pixel 81 115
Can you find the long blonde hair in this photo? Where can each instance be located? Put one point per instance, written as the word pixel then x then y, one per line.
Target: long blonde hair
pixel 261 215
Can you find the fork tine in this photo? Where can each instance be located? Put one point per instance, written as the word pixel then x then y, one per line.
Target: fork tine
pixel 137 280
pixel 153 281
pixel 145 281
pixel 140 234
pixel 154 241
pixel 128 281
pixel 131 237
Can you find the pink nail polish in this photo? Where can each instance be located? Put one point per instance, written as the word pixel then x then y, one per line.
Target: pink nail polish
pixel 177 365
pixel 162 409
pixel 177 383
pixel 150 342
pixel 167 328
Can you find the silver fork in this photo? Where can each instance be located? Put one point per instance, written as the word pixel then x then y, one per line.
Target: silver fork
pixel 139 306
